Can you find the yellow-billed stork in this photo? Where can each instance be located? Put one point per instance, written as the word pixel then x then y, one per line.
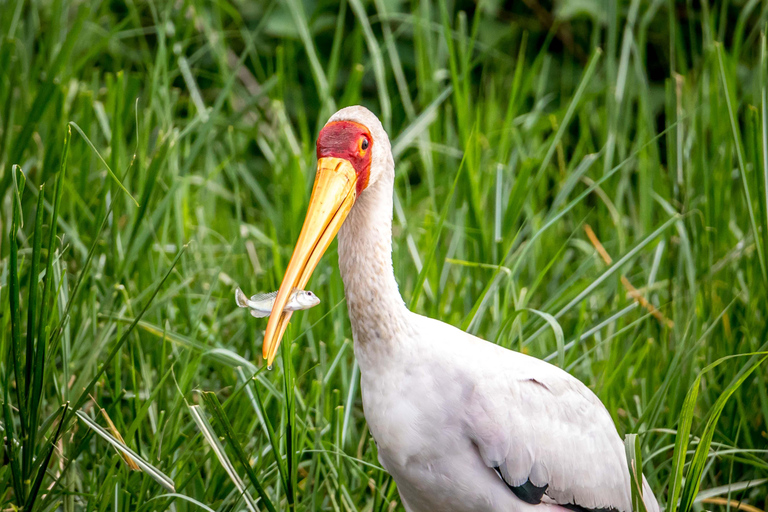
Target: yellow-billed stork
pixel 460 423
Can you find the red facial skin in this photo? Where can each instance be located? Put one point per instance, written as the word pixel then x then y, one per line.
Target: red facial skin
pixel 344 139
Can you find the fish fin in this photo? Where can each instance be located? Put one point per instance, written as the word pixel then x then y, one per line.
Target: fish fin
pixel 264 296
pixel 240 299
pixel 256 313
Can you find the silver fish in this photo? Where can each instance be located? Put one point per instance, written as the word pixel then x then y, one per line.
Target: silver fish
pixel 261 304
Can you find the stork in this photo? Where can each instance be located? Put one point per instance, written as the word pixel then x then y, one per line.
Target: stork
pixel 460 423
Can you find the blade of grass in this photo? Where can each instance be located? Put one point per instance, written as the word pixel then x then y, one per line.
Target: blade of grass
pixel 212 401
pixel 742 166
pixel 423 121
pixel 213 441
pixel 158 476
pixel 699 461
pixel 376 61
pixel 764 124
pixel 182 497
pixel 608 272
pixel 635 466
pixel 106 361
pixel 43 322
pixel 289 393
pixel 30 441
pixel 10 447
pixel 14 294
pixel 35 489
pixel 559 338
pixel 57 332
pixel 273 440
pixel 684 428
pixel 46 92
pixel 436 238
pixel 566 121
pixel 681 443
pixel 32 280
pixel 321 81
pixel 104 162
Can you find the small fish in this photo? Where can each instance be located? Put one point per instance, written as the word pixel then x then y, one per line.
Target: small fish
pixel 261 304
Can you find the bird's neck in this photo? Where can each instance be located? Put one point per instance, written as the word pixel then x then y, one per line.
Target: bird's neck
pixel 376 309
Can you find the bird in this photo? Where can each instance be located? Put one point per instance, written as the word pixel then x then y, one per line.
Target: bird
pixel 460 423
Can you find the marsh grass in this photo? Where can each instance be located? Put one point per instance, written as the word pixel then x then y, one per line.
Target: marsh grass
pixel 153 157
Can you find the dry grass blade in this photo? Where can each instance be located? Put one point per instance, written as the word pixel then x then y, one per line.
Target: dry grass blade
pixel 738 505
pixel 157 475
pixel 116 433
pixel 631 290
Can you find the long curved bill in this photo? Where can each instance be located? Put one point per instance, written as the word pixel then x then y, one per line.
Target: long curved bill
pixel 332 198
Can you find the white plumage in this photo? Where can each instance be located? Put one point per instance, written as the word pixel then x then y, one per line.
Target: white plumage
pixel 460 423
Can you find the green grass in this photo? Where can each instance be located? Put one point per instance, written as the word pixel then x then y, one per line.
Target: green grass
pixel 179 137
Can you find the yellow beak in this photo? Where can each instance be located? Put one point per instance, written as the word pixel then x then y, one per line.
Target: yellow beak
pixel 333 195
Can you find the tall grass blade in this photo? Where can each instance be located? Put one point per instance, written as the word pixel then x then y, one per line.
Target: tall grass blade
pixel 681 443
pixel 559 337
pixel 321 81
pixel 45 93
pixel 30 441
pixel 700 456
pixel 377 61
pixel 32 279
pixel 742 165
pixel 635 466
pixel 273 439
pixel 423 121
pixel 35 489
pixel 290 432
pixel 158 476
pixel 608 272
pixel 14 294
pixel 436 237
pixel 729 488
pixel 106 361
pixel 185 498
pixel 11 451
pixel 104 162
pixel 566 121
pixel 764 126
pixel 44 321
pixel 212 401
pixel 213 441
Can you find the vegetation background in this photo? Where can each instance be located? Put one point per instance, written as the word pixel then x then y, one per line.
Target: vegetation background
pixel 154 155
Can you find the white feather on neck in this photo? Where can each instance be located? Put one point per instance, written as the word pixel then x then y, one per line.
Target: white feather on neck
pixel 376 309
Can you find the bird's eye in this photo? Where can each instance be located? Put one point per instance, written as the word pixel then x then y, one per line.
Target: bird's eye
pixel 364 145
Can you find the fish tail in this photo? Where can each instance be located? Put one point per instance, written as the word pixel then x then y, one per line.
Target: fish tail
pixel 240 298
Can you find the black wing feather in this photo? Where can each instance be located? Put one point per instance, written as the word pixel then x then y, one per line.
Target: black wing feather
pixel 528 492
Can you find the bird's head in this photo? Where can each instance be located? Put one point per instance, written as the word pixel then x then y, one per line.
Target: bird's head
pixel 353 153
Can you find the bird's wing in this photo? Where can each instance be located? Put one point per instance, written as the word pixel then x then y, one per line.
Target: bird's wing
pixel 549 438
